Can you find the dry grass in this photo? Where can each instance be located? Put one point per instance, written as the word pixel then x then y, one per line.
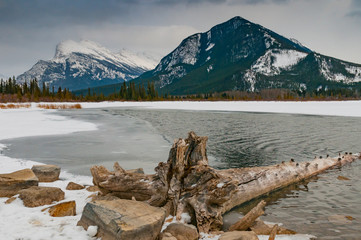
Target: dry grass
pixel 60 106
pixel 15 106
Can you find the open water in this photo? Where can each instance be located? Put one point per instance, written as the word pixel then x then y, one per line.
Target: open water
pixel 141 138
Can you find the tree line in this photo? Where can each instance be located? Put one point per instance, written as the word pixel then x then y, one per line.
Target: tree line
pixel 127 92
pixel 32 91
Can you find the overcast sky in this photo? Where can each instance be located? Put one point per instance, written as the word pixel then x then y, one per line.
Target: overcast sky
pixel 31 29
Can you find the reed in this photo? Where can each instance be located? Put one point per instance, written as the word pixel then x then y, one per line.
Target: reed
pixel 59 106
pixel 15 105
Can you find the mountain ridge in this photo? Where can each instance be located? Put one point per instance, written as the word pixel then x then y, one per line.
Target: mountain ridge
pixel 77 65
pixel 241 55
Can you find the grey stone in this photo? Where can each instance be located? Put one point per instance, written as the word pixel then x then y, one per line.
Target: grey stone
pixel 46 173
pixel 123 219
pixel 12 183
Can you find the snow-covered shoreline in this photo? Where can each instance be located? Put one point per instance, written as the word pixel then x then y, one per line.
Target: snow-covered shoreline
pixel 18 221
pixel 323 108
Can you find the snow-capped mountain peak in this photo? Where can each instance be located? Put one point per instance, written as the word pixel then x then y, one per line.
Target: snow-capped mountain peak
pixel 241 55
pixel 141 59
pixel 79 65
pixel 86 47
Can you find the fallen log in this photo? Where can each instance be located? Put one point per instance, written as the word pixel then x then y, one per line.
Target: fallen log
pixel 248 220
pixel 186 184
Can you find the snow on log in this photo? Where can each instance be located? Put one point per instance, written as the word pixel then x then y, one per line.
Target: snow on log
pixel 187 184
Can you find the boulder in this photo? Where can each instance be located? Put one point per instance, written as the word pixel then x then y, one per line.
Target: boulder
pixel 62 209
pixel 92 189
pixel 39 196
pixel 239 235
pixel 261 228
pixel 46 173
pixel 123 219
pixel 74 186
pixel 167 236
pixel 11 183
pixel 182 231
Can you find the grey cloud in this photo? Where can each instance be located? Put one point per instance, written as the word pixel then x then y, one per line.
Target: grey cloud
pixel 55 12
pixel 355 14
pixel 356 3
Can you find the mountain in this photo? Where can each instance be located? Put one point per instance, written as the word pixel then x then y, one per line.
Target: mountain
pixel 241 55
pixel 79 65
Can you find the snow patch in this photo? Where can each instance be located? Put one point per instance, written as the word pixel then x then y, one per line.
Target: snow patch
pixel 326 69
pixel 186 53
pixel 220 185
pixel 270 41
pixel 303 87
pixel 210 47
pixel 276 60
pixel 250 77
pixel 288 237
pixel 356 71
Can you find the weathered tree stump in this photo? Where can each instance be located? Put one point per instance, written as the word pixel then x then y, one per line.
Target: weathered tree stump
pixel 186 184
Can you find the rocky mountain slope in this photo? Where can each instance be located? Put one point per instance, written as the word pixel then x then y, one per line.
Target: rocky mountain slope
pixel 78 65
pixel 241 55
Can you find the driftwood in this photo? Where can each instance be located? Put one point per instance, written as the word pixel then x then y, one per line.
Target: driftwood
pixel 248 220
pixel 186 184
pixel 273 234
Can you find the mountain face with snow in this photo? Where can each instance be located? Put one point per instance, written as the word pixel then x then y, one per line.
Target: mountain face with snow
pixel 241 55
pixel 79 65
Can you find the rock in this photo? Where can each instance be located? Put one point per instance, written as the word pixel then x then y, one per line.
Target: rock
pixel 182 231
pixel 239 235
pixel 123 219
pixel 46 173
pixel 342 178
pixel 62 209
pixel 39 196
pixel 11 183
pixel 138 170
pixel 260 228
pixel 74 186
pixel 93 196
pixel 10 200
pixel 167 236
pixel 92 189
